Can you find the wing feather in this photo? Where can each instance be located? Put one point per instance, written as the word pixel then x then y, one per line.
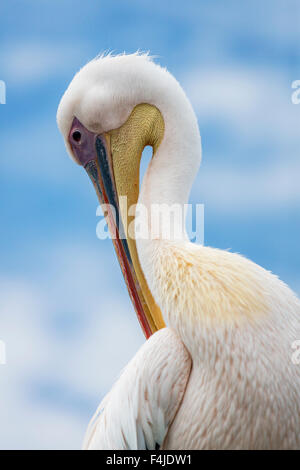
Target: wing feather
pixel 137 412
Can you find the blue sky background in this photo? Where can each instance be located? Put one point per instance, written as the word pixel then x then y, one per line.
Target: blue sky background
pixel 65 315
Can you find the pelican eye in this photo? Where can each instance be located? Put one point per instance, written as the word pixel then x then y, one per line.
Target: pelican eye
pixel 76 136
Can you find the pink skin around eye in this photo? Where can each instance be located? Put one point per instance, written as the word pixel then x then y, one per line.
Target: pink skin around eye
pixel 82 142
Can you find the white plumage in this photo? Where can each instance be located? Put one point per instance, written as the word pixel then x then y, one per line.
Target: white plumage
pixel 230 322
pixel 138 411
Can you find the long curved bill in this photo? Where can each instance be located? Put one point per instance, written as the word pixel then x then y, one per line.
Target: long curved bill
pixel 93 152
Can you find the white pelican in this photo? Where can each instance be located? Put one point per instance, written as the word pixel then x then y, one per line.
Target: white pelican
pixel 220 375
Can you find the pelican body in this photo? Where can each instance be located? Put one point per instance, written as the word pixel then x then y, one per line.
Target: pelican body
pixel 216 371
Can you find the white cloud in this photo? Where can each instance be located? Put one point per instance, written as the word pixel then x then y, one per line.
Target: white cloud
pixel 29 63
pixel 256 102
pixel 253 106
pixel 51 372
pixel 45 159
pixel 259 189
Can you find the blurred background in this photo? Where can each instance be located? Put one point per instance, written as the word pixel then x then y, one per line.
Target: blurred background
pixel 65 314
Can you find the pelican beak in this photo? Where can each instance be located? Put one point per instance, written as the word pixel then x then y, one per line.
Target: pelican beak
pixel 104 159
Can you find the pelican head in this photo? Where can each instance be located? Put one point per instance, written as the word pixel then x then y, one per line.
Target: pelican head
pixel 113 108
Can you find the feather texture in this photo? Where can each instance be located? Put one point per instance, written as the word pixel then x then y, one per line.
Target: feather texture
pixel 138 411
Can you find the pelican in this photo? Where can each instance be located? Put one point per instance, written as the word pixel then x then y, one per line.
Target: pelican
pixel 216 370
